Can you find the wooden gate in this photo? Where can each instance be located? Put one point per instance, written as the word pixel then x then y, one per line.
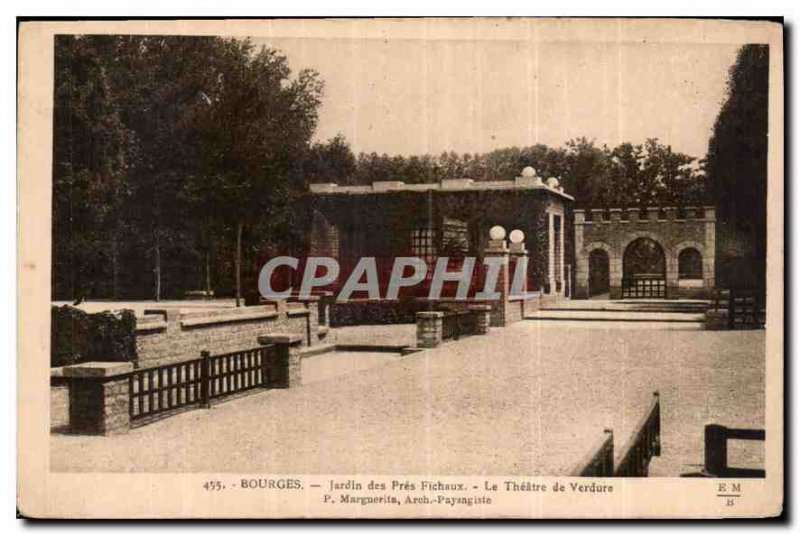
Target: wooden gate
pixel 647 285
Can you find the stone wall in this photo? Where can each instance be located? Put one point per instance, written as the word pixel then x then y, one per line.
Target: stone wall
pixel 171 335
pixel 613 230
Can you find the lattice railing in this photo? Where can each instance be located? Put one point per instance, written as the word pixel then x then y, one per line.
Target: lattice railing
pixel 167 388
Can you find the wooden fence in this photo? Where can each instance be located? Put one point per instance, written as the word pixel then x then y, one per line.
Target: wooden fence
pixel 197 382
pixel 716 451
pixel 599 461
pixel 743 306
pixel 644 444
pixel 458 324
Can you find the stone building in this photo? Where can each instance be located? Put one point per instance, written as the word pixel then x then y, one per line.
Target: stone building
pixel 451 218
pixel 651 253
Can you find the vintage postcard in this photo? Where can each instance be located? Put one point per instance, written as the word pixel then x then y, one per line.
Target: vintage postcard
pixel 400 268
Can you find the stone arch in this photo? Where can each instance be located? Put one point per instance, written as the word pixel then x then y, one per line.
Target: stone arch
pixel 690 244
pixel 644 267
pixel 633 236
pixel 599 268
pixel 587 250
pixel 699 247
pixel 583 267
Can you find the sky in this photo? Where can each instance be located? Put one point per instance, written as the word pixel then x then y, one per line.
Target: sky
pixel 415 96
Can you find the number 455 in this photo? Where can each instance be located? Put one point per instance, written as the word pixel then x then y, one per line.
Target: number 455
pixel 213 485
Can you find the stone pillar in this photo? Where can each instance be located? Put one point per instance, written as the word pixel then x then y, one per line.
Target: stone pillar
pixel 716 320
pixel 709 254
pixel 551 253
pixel 518 254
pixel 568 282
pixel 581 289
pixel 597 215
pixel 515 310
pixel 652 213
pixel 312 319
pixel 429 329
pixel 615 274
pixel 99 397
pixel 561 233
pixel 498 248
pixel 633 215
pixel 483 318
pixel 672 273
pixel 324 308
pixel 283 364
pixel 615 214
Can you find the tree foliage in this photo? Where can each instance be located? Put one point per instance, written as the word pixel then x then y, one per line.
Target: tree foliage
pixel 166 150
pixel 178 160
pixel 737 168
pixel 597 176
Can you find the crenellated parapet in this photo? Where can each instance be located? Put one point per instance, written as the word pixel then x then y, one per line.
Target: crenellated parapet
pixel 649 214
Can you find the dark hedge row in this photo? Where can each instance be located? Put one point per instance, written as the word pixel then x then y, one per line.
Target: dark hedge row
pixel 375 312
pixel 76 336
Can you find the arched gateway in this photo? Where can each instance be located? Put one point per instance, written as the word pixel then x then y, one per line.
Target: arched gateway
pixel 644 269
pixel 650 253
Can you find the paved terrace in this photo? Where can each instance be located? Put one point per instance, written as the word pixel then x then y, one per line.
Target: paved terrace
pixel 523 400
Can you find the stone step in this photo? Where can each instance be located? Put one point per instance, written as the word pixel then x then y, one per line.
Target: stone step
pixel 616 315
pixel 632 305
pixel 609 325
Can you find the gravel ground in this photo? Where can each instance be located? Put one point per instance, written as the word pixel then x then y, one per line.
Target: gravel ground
pixel 523 400
pixel 327 366
pixel 375 334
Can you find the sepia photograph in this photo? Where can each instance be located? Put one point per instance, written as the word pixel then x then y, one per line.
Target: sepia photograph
pixel 401 268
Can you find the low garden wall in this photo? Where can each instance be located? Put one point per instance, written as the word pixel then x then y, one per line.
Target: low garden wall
pixel 170 335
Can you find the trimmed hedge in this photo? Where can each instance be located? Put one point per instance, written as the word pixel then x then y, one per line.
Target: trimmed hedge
pixel 77 336
pixel 375 312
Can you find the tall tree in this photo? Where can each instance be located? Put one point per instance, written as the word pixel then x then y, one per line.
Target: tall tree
pixel 166 147
pixel 256 134
pixel 91 157
pixel 736 166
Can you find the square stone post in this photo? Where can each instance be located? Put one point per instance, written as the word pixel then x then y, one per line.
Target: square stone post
pixel 716 319
pixel 597 215
pixel 615 214
pixel 283 364
pixel 99 397
pixel 709 267
pixel 483 318
pixel 312 318
pixel 581 290
pixel 429 329
pixel 672 277
pixel 518 255
pixel 652 213
pixel 672 213
pixel 614 275
pixel 633 214
pixel 498 248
